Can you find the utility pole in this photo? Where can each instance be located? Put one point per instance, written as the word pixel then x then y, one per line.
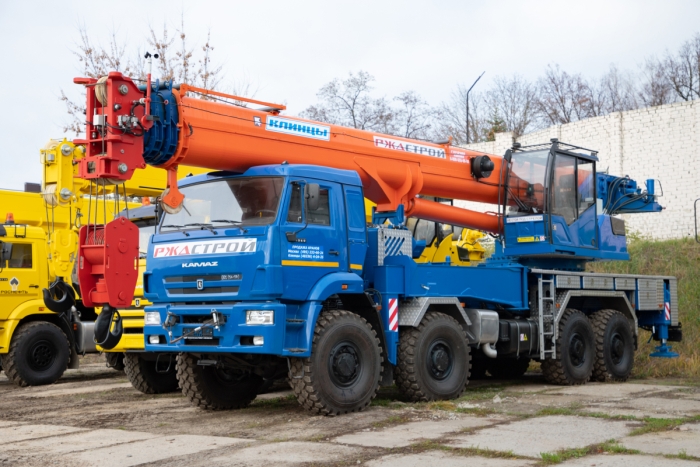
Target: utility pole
pixel 468 91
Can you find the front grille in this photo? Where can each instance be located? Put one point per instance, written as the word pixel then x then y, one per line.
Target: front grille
pixel 205 290
pixel 209 278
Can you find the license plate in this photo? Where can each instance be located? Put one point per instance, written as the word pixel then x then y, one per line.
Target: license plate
pixel 204 333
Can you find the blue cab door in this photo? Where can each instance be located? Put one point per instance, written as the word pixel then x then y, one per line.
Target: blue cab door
pixel 314 243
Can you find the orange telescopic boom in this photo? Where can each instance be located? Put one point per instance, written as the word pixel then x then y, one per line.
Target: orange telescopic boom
pixel 223 136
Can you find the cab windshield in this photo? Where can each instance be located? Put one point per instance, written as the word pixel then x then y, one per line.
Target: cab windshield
pixel 526 183
pixel 241 201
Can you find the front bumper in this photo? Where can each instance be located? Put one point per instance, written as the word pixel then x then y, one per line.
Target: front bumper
pixel 231 336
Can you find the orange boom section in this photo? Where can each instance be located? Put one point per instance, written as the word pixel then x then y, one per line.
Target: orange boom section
pixel 223 136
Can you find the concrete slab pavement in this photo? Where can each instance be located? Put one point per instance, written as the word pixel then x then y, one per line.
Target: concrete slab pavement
pixel 12 434
pixel 684 439
pixel 625 460
pixel 534 436
pixel 444 459
pixel 150 450
pixel 287 454
pixel 408 433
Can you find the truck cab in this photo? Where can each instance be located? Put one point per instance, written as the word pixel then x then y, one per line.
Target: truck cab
pixel 257 244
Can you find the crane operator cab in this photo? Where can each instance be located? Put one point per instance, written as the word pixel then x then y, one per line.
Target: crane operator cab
pixel 557 205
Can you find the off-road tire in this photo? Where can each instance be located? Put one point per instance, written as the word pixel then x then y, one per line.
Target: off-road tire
pixel 613 335
pixel 39 354
pixel 418 379
pixel 317 381
pixel 210 388
pixel 508 368
pixel 575 351
pixel 145 377
pixel 115 360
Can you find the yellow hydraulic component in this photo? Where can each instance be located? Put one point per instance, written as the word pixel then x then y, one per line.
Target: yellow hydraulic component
pixel 461 246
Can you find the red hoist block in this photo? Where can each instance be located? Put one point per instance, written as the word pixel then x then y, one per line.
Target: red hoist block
pixel 108 263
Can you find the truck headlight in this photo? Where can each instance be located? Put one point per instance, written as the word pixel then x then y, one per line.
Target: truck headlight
pixel 260 317
pixel 152 318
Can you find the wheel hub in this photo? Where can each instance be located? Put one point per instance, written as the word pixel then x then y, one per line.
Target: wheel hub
pixel 577 350
pixel 344 363
pixel 440 360
pixel 617 348
pixel 41 355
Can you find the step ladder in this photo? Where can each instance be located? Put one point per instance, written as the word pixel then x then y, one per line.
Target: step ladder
pixel 546 309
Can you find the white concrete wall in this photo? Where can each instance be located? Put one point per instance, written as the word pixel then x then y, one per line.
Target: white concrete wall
pixel 657 142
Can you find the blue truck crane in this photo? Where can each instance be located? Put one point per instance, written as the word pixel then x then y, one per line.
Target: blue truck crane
pixel 266 264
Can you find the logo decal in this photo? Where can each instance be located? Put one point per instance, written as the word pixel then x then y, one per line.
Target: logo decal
pixel 298 128
pixel 204 264
pixel 200 284
pixel 206 247
pixel 14 283
pixel 257 121
pixel 405 146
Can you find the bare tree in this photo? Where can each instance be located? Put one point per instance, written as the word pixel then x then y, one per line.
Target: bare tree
pixel 563 98
pixel 348 102
pixel 683 69
pixel 654 87
pixel 451 118
pixel 512 101
pixel 174 62
pixel 414 118
pixel 614 92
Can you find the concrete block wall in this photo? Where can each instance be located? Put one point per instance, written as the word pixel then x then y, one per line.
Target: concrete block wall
pixel 661 142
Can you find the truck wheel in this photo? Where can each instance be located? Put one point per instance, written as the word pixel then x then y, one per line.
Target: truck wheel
pixel 115 360
pixel 575 351
pixel 214 388
pixel 38 354
pixel 614 346
pixel 342 374
pixel 434 359
pixel 508 368
pixel 144 376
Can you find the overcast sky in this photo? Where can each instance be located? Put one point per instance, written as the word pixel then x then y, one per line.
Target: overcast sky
pixel 290 49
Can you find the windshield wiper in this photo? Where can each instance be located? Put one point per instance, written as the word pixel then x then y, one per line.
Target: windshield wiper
pixel 230 221
pixel 203 226
pixel 178 227
pixel 227 221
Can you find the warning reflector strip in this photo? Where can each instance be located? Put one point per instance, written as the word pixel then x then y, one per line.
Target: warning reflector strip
pixel 393 314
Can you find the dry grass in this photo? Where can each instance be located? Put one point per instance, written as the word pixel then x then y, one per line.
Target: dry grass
pixel 680 258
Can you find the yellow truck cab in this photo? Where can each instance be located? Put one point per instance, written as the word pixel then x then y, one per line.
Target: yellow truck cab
pixel 41 349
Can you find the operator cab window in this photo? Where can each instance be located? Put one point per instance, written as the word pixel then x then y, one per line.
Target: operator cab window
pixel 564 188
pixel 21 256
pixel 586 188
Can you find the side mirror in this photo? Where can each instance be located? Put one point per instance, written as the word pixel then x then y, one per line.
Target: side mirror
pixel 312 194
pixel 5 251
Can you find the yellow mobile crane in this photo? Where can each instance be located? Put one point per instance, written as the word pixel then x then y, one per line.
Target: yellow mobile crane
pixel 43 325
